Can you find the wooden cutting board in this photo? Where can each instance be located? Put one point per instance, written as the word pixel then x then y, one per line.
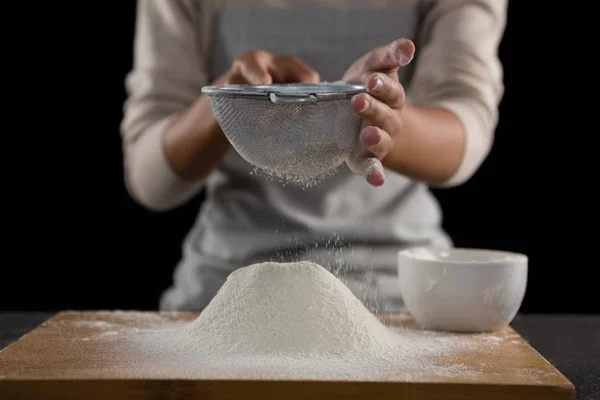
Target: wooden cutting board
pixel 88 355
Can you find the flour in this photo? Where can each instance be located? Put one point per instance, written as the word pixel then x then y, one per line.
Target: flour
pixel 295 321
pixel 296 309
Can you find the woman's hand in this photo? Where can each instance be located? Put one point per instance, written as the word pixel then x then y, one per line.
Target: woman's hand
pixel 194 143
pixel 258 67
pixel 381 108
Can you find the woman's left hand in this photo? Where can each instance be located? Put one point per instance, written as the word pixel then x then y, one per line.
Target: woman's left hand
pixel 380 108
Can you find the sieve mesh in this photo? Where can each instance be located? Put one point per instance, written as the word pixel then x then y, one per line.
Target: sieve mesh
pixel 294 133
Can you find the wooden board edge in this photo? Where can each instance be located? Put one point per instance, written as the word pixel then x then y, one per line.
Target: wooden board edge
pixel 565 381
pixel 290 390
pixel 45 321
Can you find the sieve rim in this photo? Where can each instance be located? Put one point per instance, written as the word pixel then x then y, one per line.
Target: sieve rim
pixel 291 92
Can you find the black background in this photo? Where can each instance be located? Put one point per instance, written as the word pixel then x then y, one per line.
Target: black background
pixel 73 239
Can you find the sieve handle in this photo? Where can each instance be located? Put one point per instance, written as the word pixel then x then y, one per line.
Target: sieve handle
pixel 293 98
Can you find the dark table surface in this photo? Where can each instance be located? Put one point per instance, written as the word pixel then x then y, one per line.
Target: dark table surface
pixel 570 342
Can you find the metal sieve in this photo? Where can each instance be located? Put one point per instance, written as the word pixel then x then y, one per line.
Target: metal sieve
pixel 288 129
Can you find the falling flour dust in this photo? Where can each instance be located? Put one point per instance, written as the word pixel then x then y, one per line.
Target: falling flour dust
pixel 294 321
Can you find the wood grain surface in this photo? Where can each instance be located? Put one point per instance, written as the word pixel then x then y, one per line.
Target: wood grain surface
pixel 89 355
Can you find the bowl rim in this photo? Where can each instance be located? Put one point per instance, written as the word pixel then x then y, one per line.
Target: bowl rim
pixel 497 256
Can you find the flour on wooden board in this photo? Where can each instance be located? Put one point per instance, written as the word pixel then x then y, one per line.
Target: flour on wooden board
pixel 295 321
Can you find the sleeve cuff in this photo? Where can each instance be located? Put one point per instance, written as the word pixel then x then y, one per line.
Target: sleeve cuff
pixel 152 177
pixel 478 142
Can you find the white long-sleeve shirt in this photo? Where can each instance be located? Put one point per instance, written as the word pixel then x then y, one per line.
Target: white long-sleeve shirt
pixel 182 45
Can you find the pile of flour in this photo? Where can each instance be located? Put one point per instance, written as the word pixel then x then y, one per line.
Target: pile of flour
pixel 295 321
pixel 293 309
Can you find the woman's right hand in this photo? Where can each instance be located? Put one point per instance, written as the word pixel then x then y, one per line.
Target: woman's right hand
pixel 259 67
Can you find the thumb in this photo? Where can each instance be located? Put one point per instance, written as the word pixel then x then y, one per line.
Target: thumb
pixel 398 53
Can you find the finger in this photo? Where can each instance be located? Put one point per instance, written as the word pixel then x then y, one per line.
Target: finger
pixel 387 90
pixel 375 175
pixel 368 167
pixel 253 71
pixel 292 69
pixel 377 141
pixel 391 56
pixel 375 112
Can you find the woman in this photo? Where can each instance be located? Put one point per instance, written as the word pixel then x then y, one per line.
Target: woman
pixel 428 122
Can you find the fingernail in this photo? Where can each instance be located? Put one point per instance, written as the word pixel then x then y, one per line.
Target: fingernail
pixel 401 54
pixel 378 84
pixel 365 104
pixel 371 136
pixel 376 179
pixel 373 171
pixel 403 59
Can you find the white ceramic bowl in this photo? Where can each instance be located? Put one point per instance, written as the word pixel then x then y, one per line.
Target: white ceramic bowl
pixel 462 290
